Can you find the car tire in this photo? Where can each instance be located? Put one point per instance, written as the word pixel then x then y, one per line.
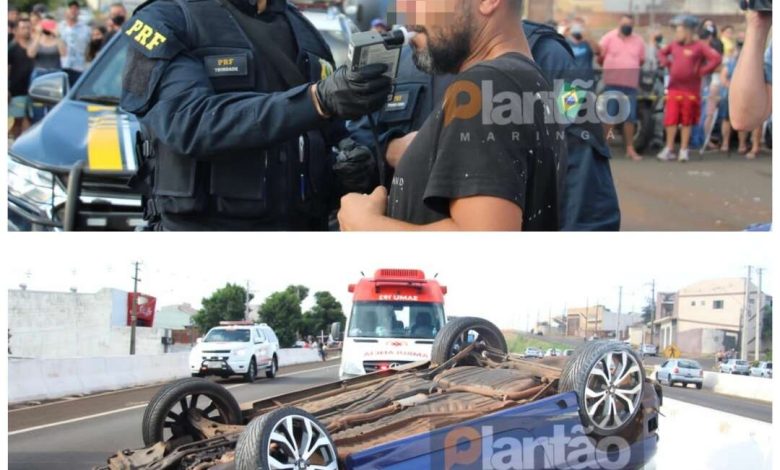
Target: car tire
pixel 452 337
pixel 698 386
pixel 156 415
pixel 253 449
pixel 270 372
pixel 251 372
pixel 597 390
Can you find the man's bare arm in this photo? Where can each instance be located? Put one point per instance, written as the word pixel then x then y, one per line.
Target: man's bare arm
pixel 750 97
pixel 476 213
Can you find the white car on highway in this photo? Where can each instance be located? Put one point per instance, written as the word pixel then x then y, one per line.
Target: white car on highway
pixel 646 349
pixel 682 371
pixel 236 348
pixel 764 369
pixel 735 366
pixel 533 353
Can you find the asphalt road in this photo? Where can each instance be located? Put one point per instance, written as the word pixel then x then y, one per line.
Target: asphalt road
pixel 113 421
pixel 753 409
pixel 716 192
pixel 81 433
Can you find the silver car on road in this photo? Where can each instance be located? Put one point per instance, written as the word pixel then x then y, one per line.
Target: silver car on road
pixel 682 371
pixel 735 366
pixel 533 353
pixel 764 369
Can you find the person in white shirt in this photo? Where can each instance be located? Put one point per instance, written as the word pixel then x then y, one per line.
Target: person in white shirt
pixel 76 36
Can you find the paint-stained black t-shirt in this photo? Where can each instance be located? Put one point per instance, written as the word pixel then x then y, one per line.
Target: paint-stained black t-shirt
pixel 494 135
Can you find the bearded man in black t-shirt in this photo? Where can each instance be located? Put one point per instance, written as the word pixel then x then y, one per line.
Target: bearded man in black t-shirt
pixel 488 157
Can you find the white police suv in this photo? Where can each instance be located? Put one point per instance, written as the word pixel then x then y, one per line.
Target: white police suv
pixel 236 348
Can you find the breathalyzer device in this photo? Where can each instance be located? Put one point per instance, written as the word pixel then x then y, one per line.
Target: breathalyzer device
pixel 371 47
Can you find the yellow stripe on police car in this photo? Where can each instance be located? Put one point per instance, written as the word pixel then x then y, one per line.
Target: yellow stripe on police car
pixel 103 146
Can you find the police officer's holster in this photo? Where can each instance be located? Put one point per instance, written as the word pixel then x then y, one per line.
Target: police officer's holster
pixel 286 187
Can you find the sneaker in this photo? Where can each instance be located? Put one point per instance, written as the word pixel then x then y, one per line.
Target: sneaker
pixel 684 156
pixel 666 155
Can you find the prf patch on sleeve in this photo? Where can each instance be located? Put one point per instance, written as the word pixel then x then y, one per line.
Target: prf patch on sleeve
pixel 146 35
pixel 226 65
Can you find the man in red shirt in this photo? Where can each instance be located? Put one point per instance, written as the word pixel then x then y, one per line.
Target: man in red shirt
pixel 688 61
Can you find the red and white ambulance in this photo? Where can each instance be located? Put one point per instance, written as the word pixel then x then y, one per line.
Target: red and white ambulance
pixel 395 317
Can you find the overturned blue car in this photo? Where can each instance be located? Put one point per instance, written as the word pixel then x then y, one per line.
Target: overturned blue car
pixel 473 406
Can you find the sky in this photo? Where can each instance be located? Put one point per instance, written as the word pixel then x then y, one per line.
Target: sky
pixel 509 278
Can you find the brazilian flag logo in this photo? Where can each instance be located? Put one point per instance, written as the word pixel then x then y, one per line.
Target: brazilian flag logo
pixel 570 100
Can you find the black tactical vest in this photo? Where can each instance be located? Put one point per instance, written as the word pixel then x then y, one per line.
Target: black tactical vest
pixel 286 187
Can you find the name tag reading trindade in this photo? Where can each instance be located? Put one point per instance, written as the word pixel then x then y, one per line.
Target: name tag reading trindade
pixel 398 102
pixel 226 65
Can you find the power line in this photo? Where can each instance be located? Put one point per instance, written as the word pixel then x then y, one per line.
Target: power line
pixel 134 309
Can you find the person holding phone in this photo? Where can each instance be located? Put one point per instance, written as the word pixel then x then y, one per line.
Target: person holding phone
pixel 46 50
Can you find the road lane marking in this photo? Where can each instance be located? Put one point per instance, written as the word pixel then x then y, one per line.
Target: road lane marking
pixel 124 390
pixel 135 407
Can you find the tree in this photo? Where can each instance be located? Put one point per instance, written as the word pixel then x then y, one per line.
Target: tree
pixel 282 312
pixel 26 5
pixel 766 323
pixel 227 303
pixel 326 310
pixel 647 311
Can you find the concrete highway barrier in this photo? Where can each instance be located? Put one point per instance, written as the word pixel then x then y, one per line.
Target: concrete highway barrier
pixel 754 388
pixel 293 356
pixel 47 379
pixel 694 437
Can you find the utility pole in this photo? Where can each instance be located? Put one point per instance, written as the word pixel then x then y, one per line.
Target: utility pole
pixel 549 320
pixel 587 312
pixel 134 308
pixel 758 312
pixel 246 303
pixel 652 14
pixel 620 311
pixel 537 321
pixel 745 311
pixel 652 316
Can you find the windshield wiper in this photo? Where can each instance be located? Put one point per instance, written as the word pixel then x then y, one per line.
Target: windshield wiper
pixel 100 99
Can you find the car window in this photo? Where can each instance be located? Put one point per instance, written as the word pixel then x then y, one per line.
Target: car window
pixel 741 363
pixel 104 78
pixel 689 365
pixel 768 365
pixel 664 365
pixel 227 336
pixel 260 336
pixel 416 320
pixel 270 335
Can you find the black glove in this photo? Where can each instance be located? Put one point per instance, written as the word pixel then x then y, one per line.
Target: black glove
pixel 355 169
pixel 350 95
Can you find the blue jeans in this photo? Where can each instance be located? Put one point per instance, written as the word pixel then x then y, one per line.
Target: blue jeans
pixel 613 105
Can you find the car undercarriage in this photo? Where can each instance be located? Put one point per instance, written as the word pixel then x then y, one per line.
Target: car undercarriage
pixel 192 424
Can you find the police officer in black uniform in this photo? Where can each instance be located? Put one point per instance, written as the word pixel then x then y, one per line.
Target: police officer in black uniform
pixel 239 109
pixel 589 201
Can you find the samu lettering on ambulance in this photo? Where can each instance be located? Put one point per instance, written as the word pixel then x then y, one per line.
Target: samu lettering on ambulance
pixel 411 298
pixel 395 353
